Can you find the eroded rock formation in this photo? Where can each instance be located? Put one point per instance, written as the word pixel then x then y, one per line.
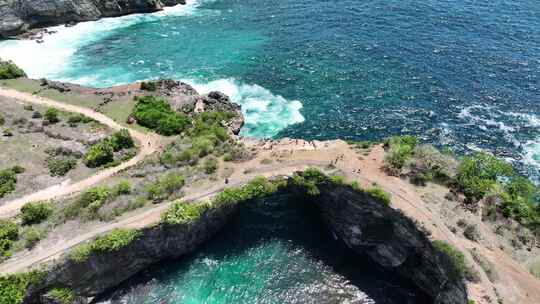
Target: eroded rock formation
pixel 18 16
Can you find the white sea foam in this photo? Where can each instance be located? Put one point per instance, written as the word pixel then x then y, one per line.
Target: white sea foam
pixel 52 57
pixel 266 114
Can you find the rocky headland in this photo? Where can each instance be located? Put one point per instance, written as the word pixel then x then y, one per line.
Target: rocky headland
pixel 19 16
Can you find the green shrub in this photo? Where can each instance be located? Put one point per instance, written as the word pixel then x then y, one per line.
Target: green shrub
pixel 310 179
pixel 99 154
pixel 110 242
pixel 477 174
pixel 210 165
pixel 60 165
pixel 62 295
pixel 13 287
pixel 122 188
pixel 164 187
pixel 9 70
pixel 400 149
pixel 32 236
pixel 122 140
pixel 379 194
pixel 257 188
pixel 155 113
pixel 51 115
pixel 28 108
pixel 88 202
pixel 8 180
pixel 172 124
pixel 9 233
pixel 35 213
pixel 2 120
pixel 181 213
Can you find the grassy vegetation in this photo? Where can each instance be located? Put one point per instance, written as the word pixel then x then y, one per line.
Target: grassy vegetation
pixel 35 212
pixel 60 165
pixel 156 114
pixel 89 203
pixel 165 187
pixel 459 268
pixel 477 176
pixel 181 213
pixel 9 70
pixel 8 179
pixel 379 194
pixel 13 287
pixel 110 242
pixel 62 295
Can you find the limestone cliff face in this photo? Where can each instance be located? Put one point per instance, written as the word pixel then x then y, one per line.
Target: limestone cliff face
pixel 391 240
pixel 17 16
pixel 106 270
pixel 366 225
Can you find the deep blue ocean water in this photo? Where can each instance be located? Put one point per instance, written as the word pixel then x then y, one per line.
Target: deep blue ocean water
pixel 458 73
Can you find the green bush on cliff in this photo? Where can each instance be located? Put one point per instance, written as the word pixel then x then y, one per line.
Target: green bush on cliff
pixel 379 194
pixel 110 242
pixel 156 114
pixel 400 149
pixel 455 258
pixel 181 213
pixel 478 173
pixel 9 70
pixel 35 212
pixel 62 295
pixel 257 188
pixel 13 287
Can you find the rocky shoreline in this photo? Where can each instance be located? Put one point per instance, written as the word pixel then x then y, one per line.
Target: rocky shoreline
pixel 364 223
pixel 19 16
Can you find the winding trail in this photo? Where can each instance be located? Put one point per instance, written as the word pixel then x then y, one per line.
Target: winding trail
pixel 148 144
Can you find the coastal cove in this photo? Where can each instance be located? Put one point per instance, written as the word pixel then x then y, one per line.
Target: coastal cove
pixel 400 262
pixel 313 70
pixel 256 152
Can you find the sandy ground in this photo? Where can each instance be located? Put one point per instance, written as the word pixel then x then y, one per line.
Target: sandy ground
pixel 284 157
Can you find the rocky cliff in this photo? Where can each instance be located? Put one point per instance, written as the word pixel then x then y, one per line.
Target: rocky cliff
pixel 391 240
pixel 366 225
pixel 18 16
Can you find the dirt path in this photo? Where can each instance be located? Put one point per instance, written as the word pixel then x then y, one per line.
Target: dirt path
pixel 148 144
pixel 145 218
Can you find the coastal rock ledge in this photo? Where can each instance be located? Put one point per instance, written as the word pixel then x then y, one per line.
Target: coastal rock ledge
pixel 368 226
pixel 18 16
